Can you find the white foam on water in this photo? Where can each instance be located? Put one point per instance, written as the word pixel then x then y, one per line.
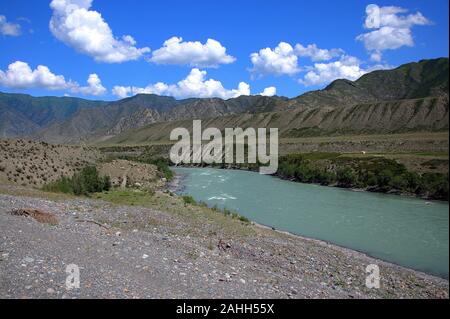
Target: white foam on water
pixel 217 198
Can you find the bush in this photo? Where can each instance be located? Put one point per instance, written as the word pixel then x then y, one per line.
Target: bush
pixel 189 200
pixel 434 185
pixel 85 182
pixel 381 174
pixel 324 177
pixel 412 181
pixel 385 177
pixel 163 167
pixel 345 177
pixel 399 182
pixel 244 219
pixel 63 185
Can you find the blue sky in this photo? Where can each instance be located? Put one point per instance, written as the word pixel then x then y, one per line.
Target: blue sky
pixel 86 41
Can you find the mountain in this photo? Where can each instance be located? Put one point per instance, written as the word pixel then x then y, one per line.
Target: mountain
pixel 386 117
pixel 409 81
pixel 24 115
pixel 417 90
pixel 412 97
pixel 131 113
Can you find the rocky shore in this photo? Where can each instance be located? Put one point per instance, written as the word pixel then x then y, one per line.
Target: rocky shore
pixel 173 250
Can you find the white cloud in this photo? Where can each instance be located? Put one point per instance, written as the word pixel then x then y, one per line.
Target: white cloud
pixel 376 56
pixel 387 38
pixel 377 17
pixel 316 54
pixel 8 28
pixel 270 91
pixel 121 91
pixel 347 67
pixel 94 86
pixel 280 61
pixel 19 75
pixel 194 85
pixel 391 29
pixel 194 54
pixel 85 30
pixel 283 59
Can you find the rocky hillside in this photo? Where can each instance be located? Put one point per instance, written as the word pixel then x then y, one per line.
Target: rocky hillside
pixel 336 108
pixel 29 163
pixel 143 109
pixel 409 81
pixel 158 246
pixel 427 114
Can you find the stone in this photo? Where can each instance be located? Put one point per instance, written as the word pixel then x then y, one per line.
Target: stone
pixel 28 259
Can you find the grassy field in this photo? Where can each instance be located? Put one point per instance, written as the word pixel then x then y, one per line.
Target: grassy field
pixel 198 215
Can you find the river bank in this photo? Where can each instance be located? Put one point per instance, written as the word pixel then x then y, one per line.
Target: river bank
pixel 164 248
pixel 405 231
pixel 370 189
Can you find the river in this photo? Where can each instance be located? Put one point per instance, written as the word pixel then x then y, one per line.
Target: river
pixel 407 231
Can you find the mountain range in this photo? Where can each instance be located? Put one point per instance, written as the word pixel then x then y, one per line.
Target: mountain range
pixel 412 97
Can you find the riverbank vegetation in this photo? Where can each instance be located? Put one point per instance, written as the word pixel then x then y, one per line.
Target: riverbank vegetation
pixel 374 173
pixel 162 164
pixel 85 182
pixel 377 174
pixel 189 200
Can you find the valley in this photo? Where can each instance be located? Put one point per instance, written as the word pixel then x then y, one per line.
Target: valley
pixel 101 169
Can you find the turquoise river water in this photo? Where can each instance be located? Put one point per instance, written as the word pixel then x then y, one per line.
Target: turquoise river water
pixel 406 231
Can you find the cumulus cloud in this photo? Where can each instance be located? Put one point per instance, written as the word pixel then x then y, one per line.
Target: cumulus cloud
pixel 315 54
pixel 282 60
pixel 347 67
pixel 392 29
pixel 121 91
pixel 86 31
pixel 8 28
pixel 194 85
pixel 94 86
pixel 19 75
pixel 269 91
pixel 194 54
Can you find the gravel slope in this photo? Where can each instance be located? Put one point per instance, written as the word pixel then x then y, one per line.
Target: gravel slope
pixel 145 253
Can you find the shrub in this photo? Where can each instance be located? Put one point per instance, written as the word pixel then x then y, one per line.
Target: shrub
pixel 62 185
pixel 85 182
pixel 399 182
pixel 244 219
pixel 189 200
pixel 162 164
pixel 412 181
pixel 345 177
pixel 385 177
pixel 325 178
pixel 163 167
pixel 434 185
